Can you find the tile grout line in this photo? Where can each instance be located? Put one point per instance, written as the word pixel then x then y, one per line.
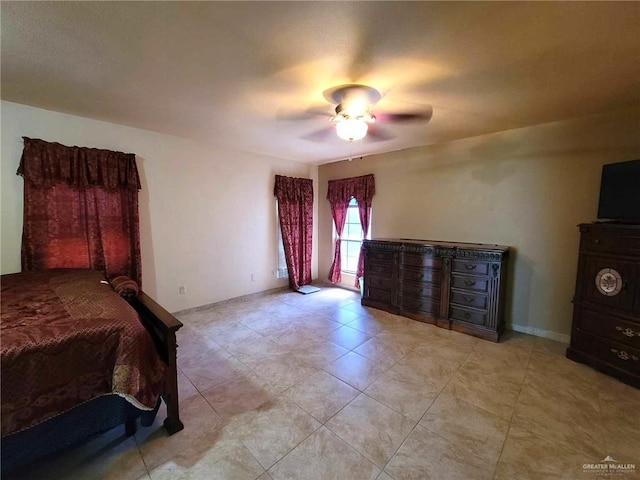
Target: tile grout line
pixel 537 434
pixel 425 412
pixel 364 455
pixel 495 471
pixel 281 395
pixel 475 348
pixel 298 444
pixel 363 392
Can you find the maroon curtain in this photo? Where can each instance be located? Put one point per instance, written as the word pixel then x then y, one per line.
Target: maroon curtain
pixel 80 209
pixel 339 214
pixel 339 194
pixel 295 211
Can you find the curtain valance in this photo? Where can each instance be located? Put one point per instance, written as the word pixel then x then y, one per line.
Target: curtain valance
pixel 290 189
pixel 48 163
pixel 362 188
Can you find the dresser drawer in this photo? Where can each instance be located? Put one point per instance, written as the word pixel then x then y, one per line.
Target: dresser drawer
pixel 421 275
pixel 469 299
pixel 610 327
pixel 382 269
pixel 467 315
pixel 413 260
pixel 429 290
pixel 600 241
pixel 616 354
pixel 379 295
pixel 417 304
pixel 385 283
pixel 471 267
pixel 381 256
pixel 466 282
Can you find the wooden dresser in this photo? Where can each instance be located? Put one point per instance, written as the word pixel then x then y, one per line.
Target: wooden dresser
pixel 606 313
pixel 459 286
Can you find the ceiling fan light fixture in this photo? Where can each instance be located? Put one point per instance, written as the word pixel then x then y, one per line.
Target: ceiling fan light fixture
pixel 351 129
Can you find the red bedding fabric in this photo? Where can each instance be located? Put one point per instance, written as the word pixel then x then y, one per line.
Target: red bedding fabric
pixel 66 338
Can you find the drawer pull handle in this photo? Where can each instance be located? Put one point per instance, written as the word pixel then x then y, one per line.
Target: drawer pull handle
pixel 468 299
pixel 627 332
pixel 470 266
pixel 469 283
pixel 624 355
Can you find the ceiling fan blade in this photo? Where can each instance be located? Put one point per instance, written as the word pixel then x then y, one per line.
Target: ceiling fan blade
pixel 363 53
pixel 377 134
pixel 311 113
pixel 321 136
pixel 424 115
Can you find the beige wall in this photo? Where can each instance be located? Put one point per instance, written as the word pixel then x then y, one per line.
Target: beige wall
pixel 527 188
pixel 207 215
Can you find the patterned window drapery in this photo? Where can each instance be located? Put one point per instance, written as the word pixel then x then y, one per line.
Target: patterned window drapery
pixel 339 213
pixel 339 194
pixel 80 209
pixel 295 211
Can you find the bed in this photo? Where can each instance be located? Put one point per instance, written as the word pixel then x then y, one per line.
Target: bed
pixel 78 359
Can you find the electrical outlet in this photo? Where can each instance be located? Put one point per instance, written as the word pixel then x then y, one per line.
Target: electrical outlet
pixel 253 277
pixel 182 290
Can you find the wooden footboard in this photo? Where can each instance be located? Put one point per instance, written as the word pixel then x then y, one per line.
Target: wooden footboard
pixel 106 411
pixel 163 327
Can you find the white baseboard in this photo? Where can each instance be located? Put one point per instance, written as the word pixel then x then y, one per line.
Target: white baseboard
pixel 539 332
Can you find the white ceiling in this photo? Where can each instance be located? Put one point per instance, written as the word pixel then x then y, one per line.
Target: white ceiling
pixel 235 73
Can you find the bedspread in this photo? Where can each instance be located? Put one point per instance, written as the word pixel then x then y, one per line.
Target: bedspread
pixel 66 338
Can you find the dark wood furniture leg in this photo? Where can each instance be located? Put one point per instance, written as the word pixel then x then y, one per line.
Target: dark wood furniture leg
pixel 130 427
pixel 172 423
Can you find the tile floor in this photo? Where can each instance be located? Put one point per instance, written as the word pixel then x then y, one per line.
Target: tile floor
pixel 288 386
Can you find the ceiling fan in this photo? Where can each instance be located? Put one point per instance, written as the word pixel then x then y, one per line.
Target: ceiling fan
pixel 353 115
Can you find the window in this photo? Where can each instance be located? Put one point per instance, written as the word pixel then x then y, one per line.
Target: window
pixel 351 240
pixel 282 271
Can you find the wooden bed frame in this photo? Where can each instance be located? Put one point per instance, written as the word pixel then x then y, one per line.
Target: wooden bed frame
pixel 103 413
pixel 163 327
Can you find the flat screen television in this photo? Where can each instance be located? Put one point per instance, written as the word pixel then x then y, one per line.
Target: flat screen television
pixel 620 192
